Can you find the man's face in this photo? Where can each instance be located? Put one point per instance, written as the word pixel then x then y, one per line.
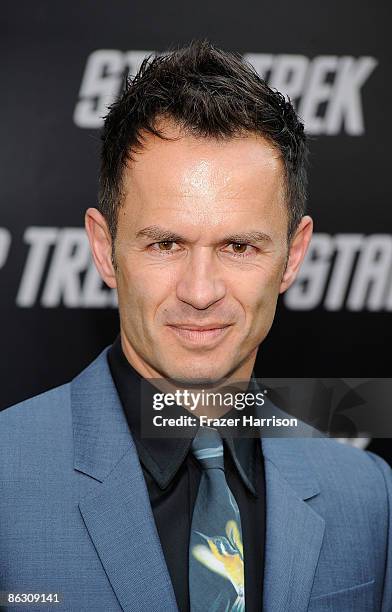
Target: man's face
pixel 201 250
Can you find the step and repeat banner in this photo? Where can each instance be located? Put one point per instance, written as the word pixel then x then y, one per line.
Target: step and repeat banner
pixel 62 64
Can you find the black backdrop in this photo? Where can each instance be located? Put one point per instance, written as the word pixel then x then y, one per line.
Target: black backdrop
pixel 61 63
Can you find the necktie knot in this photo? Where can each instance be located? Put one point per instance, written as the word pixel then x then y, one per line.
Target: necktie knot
pixel 207 447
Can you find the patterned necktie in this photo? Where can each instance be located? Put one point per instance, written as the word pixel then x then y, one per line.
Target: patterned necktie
pixel 216 558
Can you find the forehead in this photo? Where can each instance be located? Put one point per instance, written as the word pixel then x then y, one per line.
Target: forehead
pixel 188 173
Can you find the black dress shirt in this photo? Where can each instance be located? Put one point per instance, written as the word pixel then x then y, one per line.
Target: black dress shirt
pixel 172 476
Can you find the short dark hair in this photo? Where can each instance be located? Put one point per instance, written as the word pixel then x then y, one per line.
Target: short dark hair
pixel 210 93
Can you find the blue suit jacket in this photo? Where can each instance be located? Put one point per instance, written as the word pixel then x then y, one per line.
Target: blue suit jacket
pixel 75 516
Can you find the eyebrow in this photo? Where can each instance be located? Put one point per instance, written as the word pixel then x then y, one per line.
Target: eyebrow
pixel 157 233
pixel 248 237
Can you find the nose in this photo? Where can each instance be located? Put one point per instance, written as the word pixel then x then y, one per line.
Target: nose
pixel 200 284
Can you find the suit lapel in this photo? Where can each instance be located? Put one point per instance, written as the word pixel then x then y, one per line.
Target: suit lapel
pixel 294 531
pixel 114 502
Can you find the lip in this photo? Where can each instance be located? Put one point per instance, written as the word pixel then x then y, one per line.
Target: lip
pixel 193 327
pixel 200 334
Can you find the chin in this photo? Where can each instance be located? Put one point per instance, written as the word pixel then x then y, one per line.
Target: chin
pixel 206 374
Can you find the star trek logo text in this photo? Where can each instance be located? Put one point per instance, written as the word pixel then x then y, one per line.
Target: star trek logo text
pixel 326 90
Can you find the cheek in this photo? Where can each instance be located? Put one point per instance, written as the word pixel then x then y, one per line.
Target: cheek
pixel 259 290
pixel 258 297
pixel 141 292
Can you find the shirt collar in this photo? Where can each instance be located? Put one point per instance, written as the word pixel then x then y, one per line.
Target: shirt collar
pixel 162 457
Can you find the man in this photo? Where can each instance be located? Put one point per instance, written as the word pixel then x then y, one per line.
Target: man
pixel 200 227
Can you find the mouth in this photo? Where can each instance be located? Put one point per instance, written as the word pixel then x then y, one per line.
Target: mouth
pixel 200 334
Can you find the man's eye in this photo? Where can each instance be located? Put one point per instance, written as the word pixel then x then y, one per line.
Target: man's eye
pixel 166 245
pixel 241 249
pixel 238 247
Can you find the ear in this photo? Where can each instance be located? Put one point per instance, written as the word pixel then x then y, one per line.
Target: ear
pixel 100 245
pixel 297 250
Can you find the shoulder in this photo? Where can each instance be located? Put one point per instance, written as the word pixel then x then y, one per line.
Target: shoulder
pixel 44 407
pixel 351 474
pixel 342 473
pixel 341 460
pixel 48 408
pixel 35 424
pixel 330 455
